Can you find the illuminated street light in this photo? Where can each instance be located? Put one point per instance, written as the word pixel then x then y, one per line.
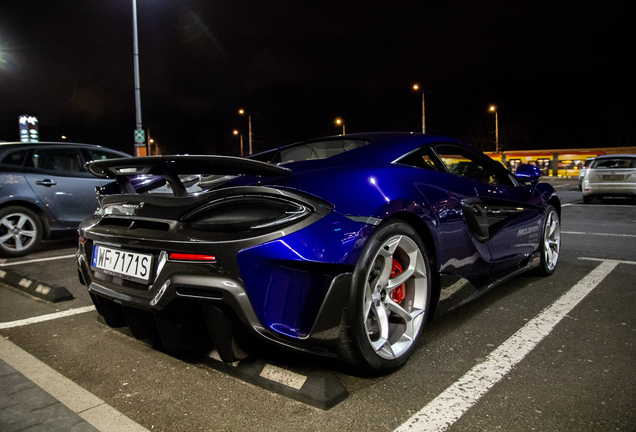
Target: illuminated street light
pixel 494 109
pixel 236 132
pixel 249 136
pixel 416 87
pixel 340 122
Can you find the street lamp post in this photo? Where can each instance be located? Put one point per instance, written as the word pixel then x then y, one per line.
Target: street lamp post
pixel 417 87
pixel 249 131
pixel 494 109
pixel 236 132
pixel 139 131
pixel 340 122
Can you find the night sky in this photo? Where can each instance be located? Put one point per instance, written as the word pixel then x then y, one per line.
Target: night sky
pixel 560 72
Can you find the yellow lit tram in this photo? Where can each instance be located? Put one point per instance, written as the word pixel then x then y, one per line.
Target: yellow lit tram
pixel 558 163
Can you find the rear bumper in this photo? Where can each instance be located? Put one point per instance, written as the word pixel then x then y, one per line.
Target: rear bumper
pixel 609 189
pixel 276 291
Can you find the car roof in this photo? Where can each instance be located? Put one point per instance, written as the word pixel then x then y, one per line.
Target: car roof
pixel 19 144
pixel 11 146
pixel 616 156
pixel 382 147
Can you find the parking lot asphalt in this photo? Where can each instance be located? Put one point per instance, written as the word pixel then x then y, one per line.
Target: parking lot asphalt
pixel 551 353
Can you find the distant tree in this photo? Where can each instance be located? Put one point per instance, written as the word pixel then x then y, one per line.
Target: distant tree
pixel 511 137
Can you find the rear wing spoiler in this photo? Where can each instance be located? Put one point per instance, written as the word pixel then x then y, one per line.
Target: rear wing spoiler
pixel 172 166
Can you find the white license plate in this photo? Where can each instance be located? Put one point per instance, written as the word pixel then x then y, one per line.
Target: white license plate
pixel 128 265
pixel 613 177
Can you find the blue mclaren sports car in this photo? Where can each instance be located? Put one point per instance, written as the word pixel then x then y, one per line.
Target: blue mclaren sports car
pixel 338 247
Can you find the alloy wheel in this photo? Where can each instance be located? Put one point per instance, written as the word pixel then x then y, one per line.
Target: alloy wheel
pixel 395 298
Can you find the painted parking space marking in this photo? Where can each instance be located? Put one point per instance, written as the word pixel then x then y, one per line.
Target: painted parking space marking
pixel 31 261
pixel 448 407
pixel 48 317
pixel 601 260
pixel 598 234
pixel 580 204
pixel 79 400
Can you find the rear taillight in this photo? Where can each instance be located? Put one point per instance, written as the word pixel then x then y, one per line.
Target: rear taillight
pixel 191 257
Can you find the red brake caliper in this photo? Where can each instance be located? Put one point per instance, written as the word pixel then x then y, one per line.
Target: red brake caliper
pixel 398 293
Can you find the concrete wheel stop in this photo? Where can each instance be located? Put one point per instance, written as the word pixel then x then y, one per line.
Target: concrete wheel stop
pixel 312 387
pixel 43 290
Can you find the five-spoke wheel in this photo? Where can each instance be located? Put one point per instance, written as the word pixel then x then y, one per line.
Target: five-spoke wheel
pixel 551 241
pixel 20 231
pixel 390 299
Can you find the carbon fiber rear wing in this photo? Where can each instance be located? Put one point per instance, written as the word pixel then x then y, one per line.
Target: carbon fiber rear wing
pixel 171 167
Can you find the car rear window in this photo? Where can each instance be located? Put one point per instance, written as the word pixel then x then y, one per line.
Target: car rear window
pixel 617 162
pixel 99 154
pixel 317 150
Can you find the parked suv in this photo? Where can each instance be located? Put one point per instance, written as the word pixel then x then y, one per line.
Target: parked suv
pixel 610 175
pixel 45 189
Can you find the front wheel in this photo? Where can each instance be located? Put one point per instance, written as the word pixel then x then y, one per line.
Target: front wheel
pixel 20 231
pixel 551 242
pixel 389 301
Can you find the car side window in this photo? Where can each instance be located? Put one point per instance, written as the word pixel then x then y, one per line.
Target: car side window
pixel 60 161
pixel 421 158
pixel 14 158
pixel 461 161
pixel 98 154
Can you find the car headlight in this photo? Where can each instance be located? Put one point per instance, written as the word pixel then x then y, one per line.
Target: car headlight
pixel 246 213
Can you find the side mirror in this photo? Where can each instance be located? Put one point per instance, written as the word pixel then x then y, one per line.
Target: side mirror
pixel 528 173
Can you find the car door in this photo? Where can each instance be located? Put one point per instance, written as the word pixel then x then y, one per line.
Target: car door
pixel 57 177
pixel 503 214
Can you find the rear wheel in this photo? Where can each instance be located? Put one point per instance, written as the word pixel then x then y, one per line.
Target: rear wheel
pixel 20 231
pixel 551 242
pixel 389 302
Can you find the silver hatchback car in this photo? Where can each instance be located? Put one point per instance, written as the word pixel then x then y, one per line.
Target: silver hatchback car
pixel 44 190
pixel 610 175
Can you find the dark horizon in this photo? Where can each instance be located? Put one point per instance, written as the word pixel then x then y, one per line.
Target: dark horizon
pixel 561 74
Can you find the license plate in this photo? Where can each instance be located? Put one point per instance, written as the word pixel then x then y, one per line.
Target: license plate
pixel 613 177
pixel 128 265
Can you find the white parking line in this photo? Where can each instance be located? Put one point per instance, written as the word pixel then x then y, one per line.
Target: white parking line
pixel 580 204
pixel 598 234
pixel 443 411
pixel 2 264
pixel 47 317
pixel 79 400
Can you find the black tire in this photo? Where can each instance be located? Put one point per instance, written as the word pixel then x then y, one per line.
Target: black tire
pixel 550 242
pixel 20 231
pixel 388 304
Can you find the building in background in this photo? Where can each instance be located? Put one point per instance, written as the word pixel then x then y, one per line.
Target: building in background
pixel 29 131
